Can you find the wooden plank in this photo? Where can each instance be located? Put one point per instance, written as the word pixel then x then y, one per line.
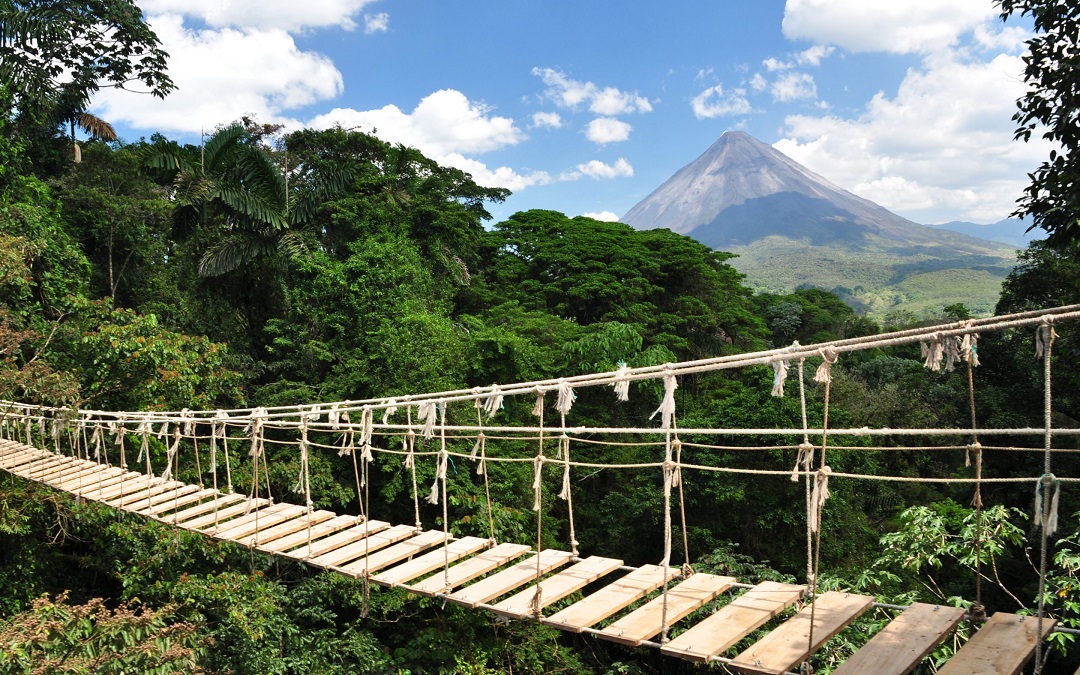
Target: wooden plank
pixel 557 587
pixel 364 546
pixel 683 598
pixel 68 468
pixel 140 481
pixel 23 457
pixel 394 554
pixel 40 465
pixel 610 599
pixel 265 535
pixel 1003 645
pixel 339 539
pixel 76 482
pixel 466 571
pixel 507 580
pixel 242 508
pixel 787 646
pixel 163 514
pixel 144 495
pixel 237 531
pixel 300 538
pixel 431 561
pixel 168 501
pixel 253 515
pixel 733 622
pixel 898 648
pixel 124 481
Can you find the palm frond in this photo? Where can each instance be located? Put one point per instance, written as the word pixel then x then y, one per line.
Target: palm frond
pixel 234 251
pixel 95 126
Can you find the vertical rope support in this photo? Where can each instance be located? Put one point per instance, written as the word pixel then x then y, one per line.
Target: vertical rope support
pixel 492 404
pixel 969 354
pixel 667 418
pixel 805 459
pixel 444 457
pixel 538 487
pixel 1048 488
pixel 818 496
pixel 409 441
pixel 563 404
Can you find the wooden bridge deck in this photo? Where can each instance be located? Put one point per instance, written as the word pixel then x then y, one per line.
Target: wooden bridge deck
pixel 503 579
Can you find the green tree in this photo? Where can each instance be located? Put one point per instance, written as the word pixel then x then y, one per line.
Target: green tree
pixel 1050 106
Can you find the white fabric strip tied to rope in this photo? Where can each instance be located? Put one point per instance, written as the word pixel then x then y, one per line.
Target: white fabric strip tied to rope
pixel 258 419
pixel 667 405
pixel 298 487
pixel 932 353
pixel 538 407
pixel 366 428
pixel 390 411
pixel 566 398
pixel 817 500
pixel 333 417
pixel 428 412
pixel 97 440
pixel 187 421
pixel 144 431
pixel 1047 496
pixel 494 402
pixel 564 452
pixel 1043 334
pixel 118 432
pixel 780 370
pixel 952 352
pixel 622 382
pixel 440 474
pixel 347 437
pixel 969 349
pixel 823 373
pixel 805 459
pixel 538 468
pixel 170 455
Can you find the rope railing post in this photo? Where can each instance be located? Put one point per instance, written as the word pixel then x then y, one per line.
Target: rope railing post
pixel 538 489
pixel 1048 489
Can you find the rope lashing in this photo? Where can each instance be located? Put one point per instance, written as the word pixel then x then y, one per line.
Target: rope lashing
pixel 817 499
pixel 97 439
pixel 1044 335
pixel 118 432
pixel 440 474
pixel 1046 498
pixel 969 348
pixel 333 417
pixel 667 405
pixel 932 353
pixel 804 459
pixel 622 382
pixel 823 373
pixel 348 437
pixel 428 413
pixel 255 427
pixel 144 431
pixel 538 407
pixel 170 455
pixel 780 371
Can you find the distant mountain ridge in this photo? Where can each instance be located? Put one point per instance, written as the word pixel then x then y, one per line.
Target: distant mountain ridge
pixel 792 227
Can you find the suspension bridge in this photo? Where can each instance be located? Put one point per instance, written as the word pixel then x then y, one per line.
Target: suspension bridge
pixel 754 626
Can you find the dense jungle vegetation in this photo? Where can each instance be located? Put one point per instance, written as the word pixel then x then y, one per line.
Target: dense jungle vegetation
pixel 268 268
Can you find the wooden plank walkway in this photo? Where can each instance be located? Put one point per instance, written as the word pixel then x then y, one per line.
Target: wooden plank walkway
pixel 503 579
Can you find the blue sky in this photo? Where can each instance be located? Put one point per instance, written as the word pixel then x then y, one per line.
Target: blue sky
pixel 586 107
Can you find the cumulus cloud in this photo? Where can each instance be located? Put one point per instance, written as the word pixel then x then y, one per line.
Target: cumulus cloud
pixel 598 170
pixel 606 216
pixel 547 119
pixel 501 177
pixel 912 26
pixel 607 130
pixel 941 146
pixel 444 122
pixel 814 55
pixel 793 87
pixel 286 15
pixel 376 23
pixel 714 102
pixel 267 75
pixel 570 93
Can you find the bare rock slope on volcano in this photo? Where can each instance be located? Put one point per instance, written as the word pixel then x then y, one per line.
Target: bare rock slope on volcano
pixel 793 228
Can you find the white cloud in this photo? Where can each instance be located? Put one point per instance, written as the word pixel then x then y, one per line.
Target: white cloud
pixel 911 26
pixel 940 149
pixel 773 64
pixel 547 119
pixel 266 75
pixel 793 87
pixel 287 15
pixel 606 216
pixel 599 170
pixel 758 82
pixel 713 102
pixel 376 23
pixel 442 123
pixel 503 176
pixel 814 55
pixel 607 130
pixel 570 93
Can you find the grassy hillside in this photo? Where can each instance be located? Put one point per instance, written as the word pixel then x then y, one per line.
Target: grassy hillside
pixel 879 279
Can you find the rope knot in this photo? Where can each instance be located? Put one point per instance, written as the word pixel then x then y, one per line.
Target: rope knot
pixel 494 402
pixel 622 382
pixel 804 458
pixel 667 405
pixel 780 371
pixel 566 398
pixel 1047 496
pixel 829 356
pixel 817 499
pixel 1044 337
